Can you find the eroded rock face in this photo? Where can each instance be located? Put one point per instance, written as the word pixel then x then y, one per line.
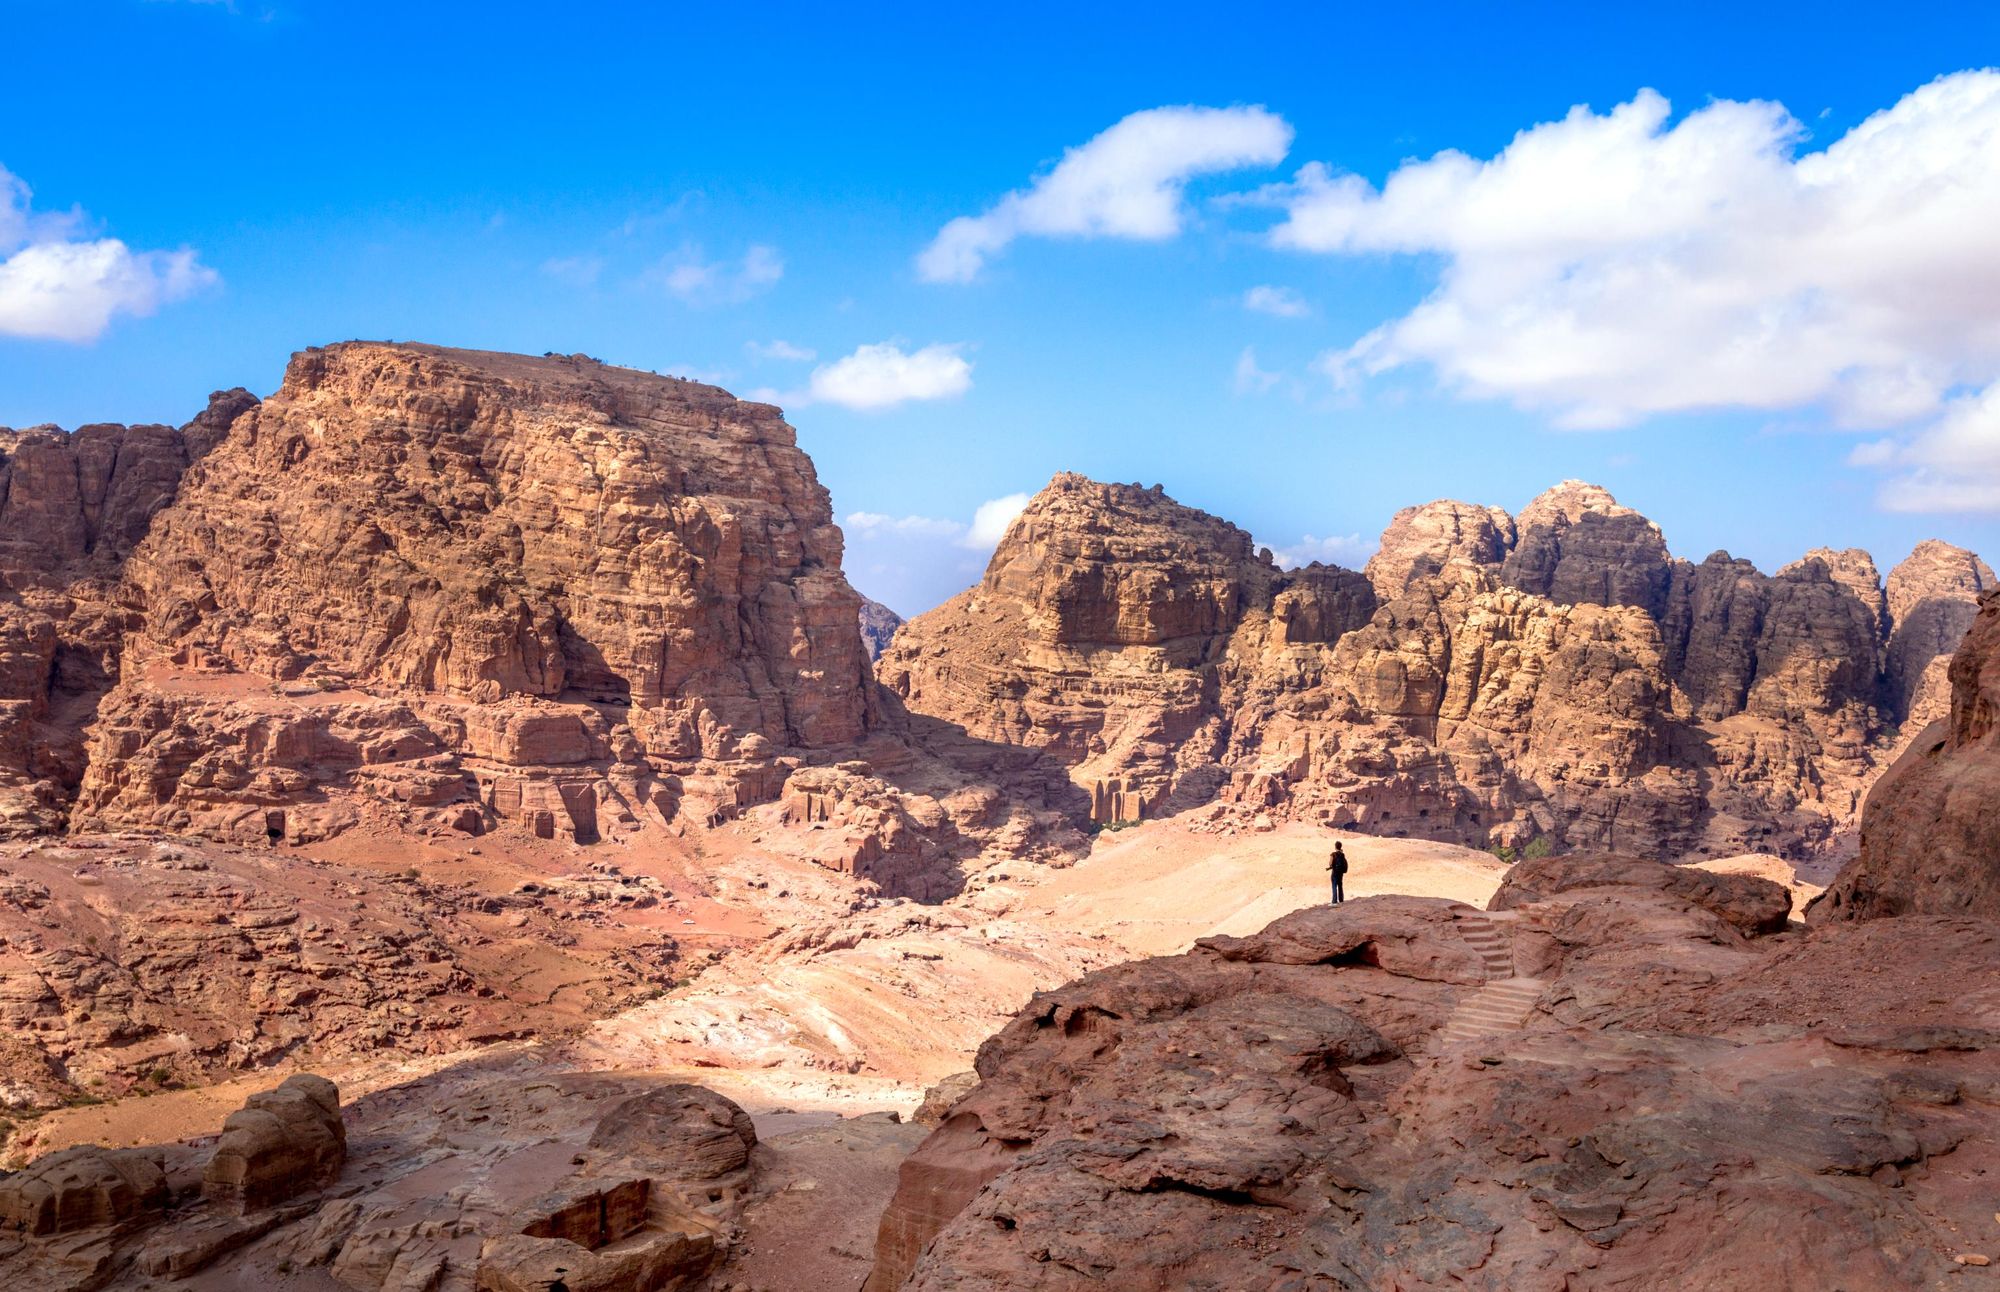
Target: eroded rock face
pixel 1929 841
pixel 1361 1096
pixel 442 592
pixel 878 626
pixel 1492 680
pixel 81 1188
pixel 1931 597
pixel 280 1144
pixel 73 505
pixel 125 961
pixel 472 1179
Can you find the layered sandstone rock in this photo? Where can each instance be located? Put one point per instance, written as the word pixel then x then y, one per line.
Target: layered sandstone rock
pixel 82 1188
pixel 1931 596
pixel 73 505
pixel 471 1179
pixel 443 592
pixel 1492 680
pixel 649 560
pixel 129 963
pixel 1929 842
pixel 1611 1081
pixel 878 626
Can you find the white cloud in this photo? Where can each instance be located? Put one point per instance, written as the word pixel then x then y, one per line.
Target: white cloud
pixel 576 271
pixel 1350 550
pixel 882 376
pixel 782 350
pixel 991 519
pixel 1951 465
pixel 704 282
pixel 1250 379
pixel 58 286
pixel 874 522
pixel 1125 183
pixel 1282 302
pixel 988 525
pixel 1608 267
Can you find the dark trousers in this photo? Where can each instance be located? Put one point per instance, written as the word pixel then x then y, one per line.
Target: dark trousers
pixel 1339 891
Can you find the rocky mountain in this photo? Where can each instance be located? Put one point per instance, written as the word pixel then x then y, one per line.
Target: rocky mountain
pixel 444 590
pixel 399 710
pixel 1555 679
pixel 1928 838
pixel 878 626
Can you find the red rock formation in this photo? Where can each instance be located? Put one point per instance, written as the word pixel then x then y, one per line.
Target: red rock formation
pixel 444 591
pixel 878 626
pixel 1493 680
pixel 72 507
pixel 280 1144
pixel 1929 841
pixel 1361 1096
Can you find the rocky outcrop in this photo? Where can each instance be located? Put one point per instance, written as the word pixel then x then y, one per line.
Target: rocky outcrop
pixel 1580 1090
pixel 82 1188
pixel 878 626
pixel 280 1144
pixel 1928 838
pixel 472 1179
pixel 443 592
pixel 73 505
pixel 1931 597
pixel 1491 680
pixel 128 963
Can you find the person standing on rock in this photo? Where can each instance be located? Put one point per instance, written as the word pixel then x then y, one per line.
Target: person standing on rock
pixel 1336 866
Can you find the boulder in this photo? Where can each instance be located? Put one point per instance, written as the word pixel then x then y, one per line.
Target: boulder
pixel 280 1144
pixel 1747 903
pixel 87 1187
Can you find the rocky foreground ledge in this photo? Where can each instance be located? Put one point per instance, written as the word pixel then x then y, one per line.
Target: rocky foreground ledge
pixel 1624 1075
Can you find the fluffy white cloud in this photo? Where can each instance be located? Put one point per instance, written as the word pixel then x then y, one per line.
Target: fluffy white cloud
pixel 991 519
pixel 1607 267
pixel 1350 550
pixel 719 282
pixel 781 350
pixel 1251 379
pixel 1125 183
pixel 988 526
pixel 58 286
pixel 1281 302
pixel 884 375
pixel 1951 465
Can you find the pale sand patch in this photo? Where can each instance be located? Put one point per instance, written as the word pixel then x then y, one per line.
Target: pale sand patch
pixel 1154 890
pixel 1765 866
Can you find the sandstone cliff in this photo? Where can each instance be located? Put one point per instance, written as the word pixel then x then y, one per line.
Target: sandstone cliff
pixel 1930 834
pixel 73 505
pixel 878 626
pixel 453 591
pixel 1490 679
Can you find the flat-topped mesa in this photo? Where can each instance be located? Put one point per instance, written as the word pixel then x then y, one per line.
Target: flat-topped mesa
pixel 483 525
pixel 547 589
pixel 1492 679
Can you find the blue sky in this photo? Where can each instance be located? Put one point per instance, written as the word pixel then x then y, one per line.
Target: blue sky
pixel 1761 351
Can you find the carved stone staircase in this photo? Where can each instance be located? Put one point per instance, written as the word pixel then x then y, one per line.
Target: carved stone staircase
pixel 1506 1000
